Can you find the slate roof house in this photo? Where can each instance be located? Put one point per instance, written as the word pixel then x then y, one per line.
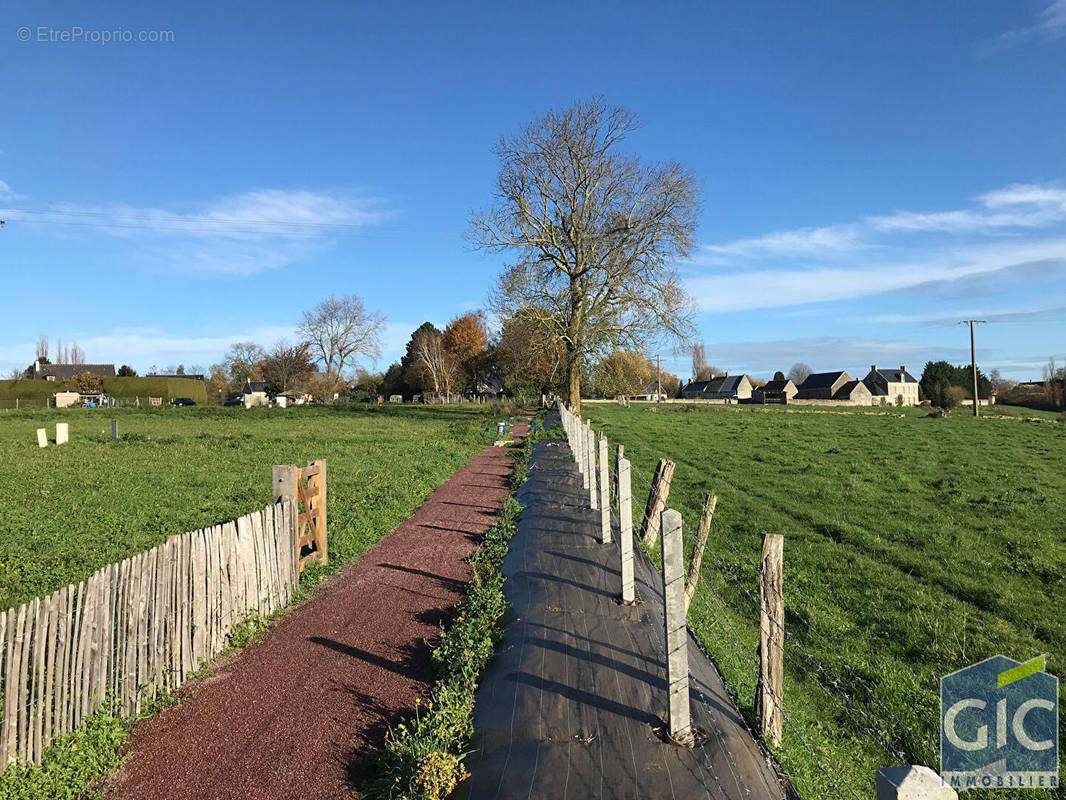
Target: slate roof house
pixel 837 386
pixel 822 385
pixel 64 372
pixel 728 388
pixel 892 386
pixel 775 392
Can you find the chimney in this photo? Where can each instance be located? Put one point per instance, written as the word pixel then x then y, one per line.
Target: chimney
pixel 727 373
pixel 873 368
pixel 902 368
pixel 36 368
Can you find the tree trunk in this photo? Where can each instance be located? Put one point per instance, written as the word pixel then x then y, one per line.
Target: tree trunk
pixel 574 375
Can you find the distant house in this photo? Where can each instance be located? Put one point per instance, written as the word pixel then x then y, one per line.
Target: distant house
pixel 727 388
pixel 651 392
pixel 64 372
pixel 254 393
pixel 822 385
pixel 775 392
pixel 854 393
pixel 892 386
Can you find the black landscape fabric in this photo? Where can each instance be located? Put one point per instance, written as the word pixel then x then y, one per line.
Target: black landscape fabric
pixel 573 705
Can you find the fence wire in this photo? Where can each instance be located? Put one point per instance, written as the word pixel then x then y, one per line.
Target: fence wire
pixel 809 666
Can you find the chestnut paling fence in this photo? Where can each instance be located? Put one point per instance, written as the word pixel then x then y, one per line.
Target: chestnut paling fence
pixel 147 623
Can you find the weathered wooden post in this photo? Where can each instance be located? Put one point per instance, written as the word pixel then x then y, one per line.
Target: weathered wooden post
pixel 605 493
pixel 679 724
pixel 619 454
pixel 769 694
pixel 706 518
pixel 657 497
pixel 625 529
pixel 285 478
pixel 590 440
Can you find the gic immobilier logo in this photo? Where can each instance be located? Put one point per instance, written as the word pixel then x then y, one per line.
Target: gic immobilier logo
pixel 999 726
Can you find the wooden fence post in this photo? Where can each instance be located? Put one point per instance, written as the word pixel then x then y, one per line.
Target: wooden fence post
pixel 706 518
pixel 590 443
pixel 625 529
pixel 769 694
pixel 657 497
pixel 605 493
pixel 679 723
pixel 285 477
pixel 619 454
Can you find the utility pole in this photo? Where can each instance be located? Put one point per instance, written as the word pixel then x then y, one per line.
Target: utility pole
pixel 973 361
pixel 658 381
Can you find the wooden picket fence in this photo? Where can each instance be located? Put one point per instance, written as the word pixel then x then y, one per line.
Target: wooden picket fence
pixel 139 626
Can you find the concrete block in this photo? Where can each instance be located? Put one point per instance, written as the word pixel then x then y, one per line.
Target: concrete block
pixel 912 783
pixel 42 437
pixel 679 724
pixel 62 433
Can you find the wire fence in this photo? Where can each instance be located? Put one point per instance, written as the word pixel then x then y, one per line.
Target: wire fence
pixel 856 698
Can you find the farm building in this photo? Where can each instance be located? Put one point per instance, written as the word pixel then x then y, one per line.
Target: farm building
pixel 726 388
pixel 822 385
pixel 892 386
pixel 775 392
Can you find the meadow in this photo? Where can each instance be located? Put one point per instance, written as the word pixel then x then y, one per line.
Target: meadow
pixel 71 509
pixel 914 547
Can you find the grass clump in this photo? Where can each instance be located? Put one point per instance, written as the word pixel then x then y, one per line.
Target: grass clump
pixel 423 757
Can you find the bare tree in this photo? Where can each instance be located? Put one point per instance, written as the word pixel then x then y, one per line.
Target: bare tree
pixel 77 355
pixel 287 367
pixel 798 373
pixel 432 361
pixel 240 363
pixel 595 234
pixel 340 329
pixel 42 348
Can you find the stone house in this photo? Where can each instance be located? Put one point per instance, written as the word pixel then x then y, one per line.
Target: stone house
pixel 892 386
pixel 854 393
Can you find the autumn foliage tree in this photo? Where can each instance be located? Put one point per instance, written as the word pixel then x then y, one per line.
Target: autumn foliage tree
pixel 466 340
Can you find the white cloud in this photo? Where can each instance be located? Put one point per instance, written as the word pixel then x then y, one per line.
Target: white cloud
pixel 238 234
pixel 1050 25
pixel 7 194
pixel 1016 206
pixel 885 254
pixel 740 291
pixel 802 241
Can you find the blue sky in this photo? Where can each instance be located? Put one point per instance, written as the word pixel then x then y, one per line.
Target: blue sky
pixel 871 172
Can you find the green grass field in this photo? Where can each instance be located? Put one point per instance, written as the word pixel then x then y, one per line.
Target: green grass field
pixel 69 510
pixel 913 547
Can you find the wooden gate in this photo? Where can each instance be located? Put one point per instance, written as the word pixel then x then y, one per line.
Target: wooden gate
pixel 306 487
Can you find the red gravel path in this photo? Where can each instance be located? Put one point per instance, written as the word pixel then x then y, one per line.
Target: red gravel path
pixel 304 713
